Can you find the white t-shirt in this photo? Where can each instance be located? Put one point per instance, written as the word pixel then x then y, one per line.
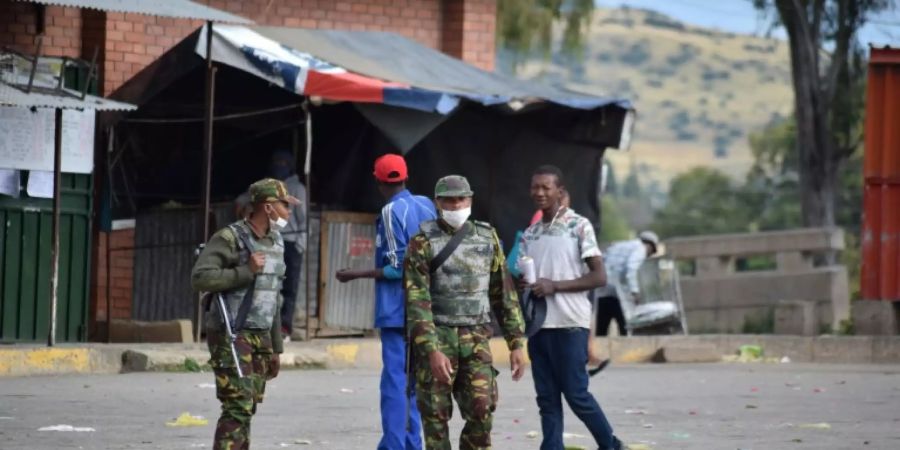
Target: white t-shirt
pixel 559 250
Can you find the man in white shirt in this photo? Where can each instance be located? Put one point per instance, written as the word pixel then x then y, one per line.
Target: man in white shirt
pixel 568 265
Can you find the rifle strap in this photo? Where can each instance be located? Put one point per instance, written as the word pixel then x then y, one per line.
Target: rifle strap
pixel 448 249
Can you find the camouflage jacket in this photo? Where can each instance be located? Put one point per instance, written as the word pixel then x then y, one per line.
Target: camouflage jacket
pixel 218 269
pixel 417 283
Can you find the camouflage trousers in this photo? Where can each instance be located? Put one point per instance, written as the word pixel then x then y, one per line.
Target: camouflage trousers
pixel 473 383
pixel 239 396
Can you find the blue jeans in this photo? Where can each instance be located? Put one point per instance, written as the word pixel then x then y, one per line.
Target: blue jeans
pixel 394 398
pixel 558 359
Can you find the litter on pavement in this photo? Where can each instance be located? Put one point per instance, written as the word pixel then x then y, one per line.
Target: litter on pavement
pixel 639 447
pixel 67 428
pixel 751 351
pixel 187 420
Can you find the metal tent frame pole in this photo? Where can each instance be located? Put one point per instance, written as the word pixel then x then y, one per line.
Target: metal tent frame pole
pixel 307 170
pixel 110 145
pixel 54 255
pixel 208 108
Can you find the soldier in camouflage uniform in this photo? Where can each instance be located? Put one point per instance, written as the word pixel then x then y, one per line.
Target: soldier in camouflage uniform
pixel 245 260
pixel 449 319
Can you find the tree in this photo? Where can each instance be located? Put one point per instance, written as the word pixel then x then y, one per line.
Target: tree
pixel 613 226
pixel 527 25
pixel 826 86
pixel 772 187
pixel 631 187
pixel 772 184
pixel 703 201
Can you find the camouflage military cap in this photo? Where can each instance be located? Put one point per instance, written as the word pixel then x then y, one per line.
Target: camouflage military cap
pixel 453 186
pixel 271 190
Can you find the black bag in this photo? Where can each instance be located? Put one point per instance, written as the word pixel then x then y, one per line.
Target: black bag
pixel 534 311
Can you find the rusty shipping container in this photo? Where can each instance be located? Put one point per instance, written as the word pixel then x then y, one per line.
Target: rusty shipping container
pixel 881 214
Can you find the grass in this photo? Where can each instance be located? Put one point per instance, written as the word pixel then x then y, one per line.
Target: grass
pixel 710 87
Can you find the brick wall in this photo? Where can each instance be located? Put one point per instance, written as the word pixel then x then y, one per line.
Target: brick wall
pixel 129 42
pixel 121 279
pixel 19 24
pixel 468 31
pixel 133 41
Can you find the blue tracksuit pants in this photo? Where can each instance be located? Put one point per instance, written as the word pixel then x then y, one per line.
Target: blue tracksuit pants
pixel 394 401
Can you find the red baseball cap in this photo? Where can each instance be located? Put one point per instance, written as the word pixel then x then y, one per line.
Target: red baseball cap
pixel 390 168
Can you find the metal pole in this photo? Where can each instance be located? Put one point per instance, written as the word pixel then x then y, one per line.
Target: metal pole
pixel 110 146
pixel 108 286
pixel 307 169
pixel 54 255
pixel 208 107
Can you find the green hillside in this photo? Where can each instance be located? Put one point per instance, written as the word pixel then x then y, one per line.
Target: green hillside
pixel 698 92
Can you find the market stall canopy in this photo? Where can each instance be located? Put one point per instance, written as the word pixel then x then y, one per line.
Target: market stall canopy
pixel 384 68
pixel 370 93
pixel 179 9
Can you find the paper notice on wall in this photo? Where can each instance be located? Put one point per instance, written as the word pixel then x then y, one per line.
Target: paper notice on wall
pixel 9 182
pixel 28 139
pixel 40 184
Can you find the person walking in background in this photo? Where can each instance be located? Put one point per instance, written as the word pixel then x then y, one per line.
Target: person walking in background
pixel 623 260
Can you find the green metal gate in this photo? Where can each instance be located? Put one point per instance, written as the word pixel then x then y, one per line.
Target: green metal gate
pixel 25 243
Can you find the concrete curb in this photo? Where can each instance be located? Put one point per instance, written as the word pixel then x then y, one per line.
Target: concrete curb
pixel 27 361
pixel 174 359
pixel 366 353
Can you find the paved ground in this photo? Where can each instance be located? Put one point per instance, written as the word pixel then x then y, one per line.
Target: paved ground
pixel 721 406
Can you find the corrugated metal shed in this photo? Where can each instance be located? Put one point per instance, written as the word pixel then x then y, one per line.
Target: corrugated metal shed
pixel 48 98
pixel 180 9
pixel 313 258
pixel 881 198
pixel 164 244
pixel 348 241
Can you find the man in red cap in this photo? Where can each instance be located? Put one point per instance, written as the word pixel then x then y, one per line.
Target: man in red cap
pixel 398 223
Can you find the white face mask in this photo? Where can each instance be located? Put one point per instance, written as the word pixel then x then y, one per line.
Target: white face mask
pixel 277 224
pixel 457 218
